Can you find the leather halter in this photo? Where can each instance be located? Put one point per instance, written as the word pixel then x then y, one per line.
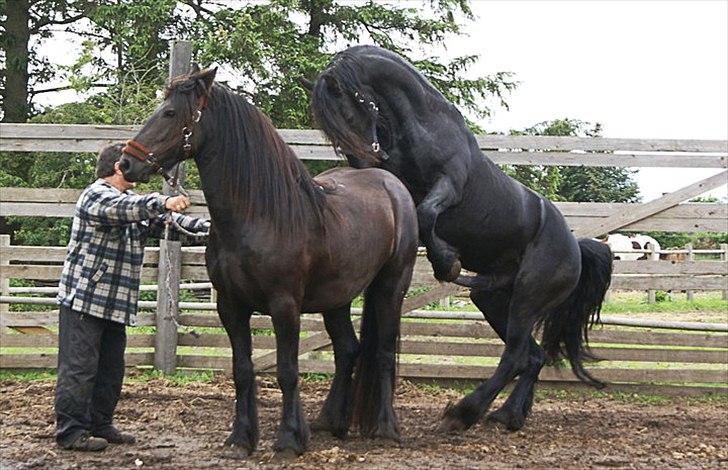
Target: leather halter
pixel 375 112
pixel 146 156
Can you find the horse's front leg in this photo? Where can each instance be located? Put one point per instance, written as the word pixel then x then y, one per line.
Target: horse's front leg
pixel 446 192
pixel 236 320
pixel 293 432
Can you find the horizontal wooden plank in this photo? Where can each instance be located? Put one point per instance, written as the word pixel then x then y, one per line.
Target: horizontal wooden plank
pixel 39 272
pixel 449 348
pixel 51 341
pixel 650 282
pixel 311 144
pixel 316 137
pixel 569 209
pixel 719 268
pixel 50 361
pixel 50 318
pixel 479 329
pixel 600 144
pixel 26 209
pixel 457 371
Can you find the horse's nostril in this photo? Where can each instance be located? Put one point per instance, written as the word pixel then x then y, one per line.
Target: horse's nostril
pixel 124 165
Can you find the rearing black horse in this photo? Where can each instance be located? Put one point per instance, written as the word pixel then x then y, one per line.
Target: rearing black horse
pixel 284 243
pixel 379 110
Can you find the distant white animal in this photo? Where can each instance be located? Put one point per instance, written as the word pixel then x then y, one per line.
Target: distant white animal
pixel 624 247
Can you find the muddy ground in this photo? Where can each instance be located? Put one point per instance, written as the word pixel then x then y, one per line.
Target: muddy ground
pixel 183 426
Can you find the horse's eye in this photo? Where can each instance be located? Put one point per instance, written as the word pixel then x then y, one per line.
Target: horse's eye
pixel 169 113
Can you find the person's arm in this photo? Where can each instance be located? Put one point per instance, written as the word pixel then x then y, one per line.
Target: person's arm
pixel 157 225
pixel 108 207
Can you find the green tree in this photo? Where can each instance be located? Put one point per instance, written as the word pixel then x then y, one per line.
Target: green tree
pixel 267 46
pixel 576 183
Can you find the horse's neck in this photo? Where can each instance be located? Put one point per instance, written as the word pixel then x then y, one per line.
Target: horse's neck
pixel 218 203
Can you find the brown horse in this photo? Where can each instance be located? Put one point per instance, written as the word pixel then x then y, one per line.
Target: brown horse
pixel 283 243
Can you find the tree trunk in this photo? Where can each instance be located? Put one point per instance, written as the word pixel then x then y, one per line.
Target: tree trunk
pixel 17 32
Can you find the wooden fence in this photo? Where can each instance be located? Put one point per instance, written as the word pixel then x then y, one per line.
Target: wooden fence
pixel 435 345
pixel 447 348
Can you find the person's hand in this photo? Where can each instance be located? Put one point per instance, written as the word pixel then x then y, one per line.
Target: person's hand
pixel 177 203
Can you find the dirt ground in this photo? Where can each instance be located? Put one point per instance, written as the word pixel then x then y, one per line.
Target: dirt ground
pixel 183 426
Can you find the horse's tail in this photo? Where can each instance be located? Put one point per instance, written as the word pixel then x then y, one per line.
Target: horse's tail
pixel 565 332
pixel 368 377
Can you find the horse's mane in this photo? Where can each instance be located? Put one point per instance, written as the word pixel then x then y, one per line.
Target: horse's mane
pixel 260 175
pixel 342 79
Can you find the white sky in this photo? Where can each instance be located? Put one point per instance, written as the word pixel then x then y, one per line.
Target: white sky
pixel 647 69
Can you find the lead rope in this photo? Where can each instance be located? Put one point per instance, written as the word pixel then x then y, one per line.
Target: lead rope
pixel 177 188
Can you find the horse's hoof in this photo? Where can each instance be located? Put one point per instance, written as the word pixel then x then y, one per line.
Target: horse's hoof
pixel 237 452
pixel 285 455
pixel 449 273
pixel 512 421
pixel 237 444
pixel 450 425
pixel 322 424
pixel 387 433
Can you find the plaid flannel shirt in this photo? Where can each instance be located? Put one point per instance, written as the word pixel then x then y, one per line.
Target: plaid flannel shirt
pixel 103 264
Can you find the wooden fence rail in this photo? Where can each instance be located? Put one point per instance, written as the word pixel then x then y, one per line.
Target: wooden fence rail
pixel 447 349
pixel 311 145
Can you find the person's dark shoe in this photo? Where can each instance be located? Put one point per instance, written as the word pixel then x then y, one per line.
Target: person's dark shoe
pixel 113 436
pixel 87 443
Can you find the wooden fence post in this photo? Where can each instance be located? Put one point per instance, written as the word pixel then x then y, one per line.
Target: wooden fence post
pixel 170 252
pixel 4 282
pixel 690 257
pixel 724 257
pixel 653 255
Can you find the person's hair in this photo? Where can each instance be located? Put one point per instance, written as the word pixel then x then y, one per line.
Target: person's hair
pixel 107 157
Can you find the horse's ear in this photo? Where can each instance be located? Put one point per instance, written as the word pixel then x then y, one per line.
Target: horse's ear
pixel 306 83
pixel 332 84
pixel 195 68
pixel 208 78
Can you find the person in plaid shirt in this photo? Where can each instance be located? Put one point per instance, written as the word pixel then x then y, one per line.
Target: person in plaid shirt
pixel 98 294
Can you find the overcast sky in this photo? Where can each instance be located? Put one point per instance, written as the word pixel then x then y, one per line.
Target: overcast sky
pixel 650 69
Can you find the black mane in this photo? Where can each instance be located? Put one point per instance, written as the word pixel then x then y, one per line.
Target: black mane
pixel 261 176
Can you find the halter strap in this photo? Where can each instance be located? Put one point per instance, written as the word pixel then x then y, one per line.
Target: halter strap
pixel 136 150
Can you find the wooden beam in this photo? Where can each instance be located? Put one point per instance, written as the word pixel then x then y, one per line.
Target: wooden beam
pixel 621 219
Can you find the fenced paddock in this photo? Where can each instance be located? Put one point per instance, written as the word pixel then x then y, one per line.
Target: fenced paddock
pixel 435 345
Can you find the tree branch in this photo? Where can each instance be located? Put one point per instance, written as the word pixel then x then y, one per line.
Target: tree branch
pixel 49 21
pixel 66 87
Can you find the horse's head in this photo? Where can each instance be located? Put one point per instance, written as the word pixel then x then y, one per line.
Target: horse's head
pixel 174 131
pixel 348 113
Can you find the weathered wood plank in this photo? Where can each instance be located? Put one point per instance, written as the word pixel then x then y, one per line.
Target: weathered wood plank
pixel 621 219
pixel 315 137
pixel 456 371
pixel 448 348
pixel 50 340
pixel 50 361
pixel 50 318
pixel 40 272
pixel 719 268
pixel 647 282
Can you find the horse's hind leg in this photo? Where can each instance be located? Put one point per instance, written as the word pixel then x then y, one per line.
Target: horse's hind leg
pixel 539 287
pixel 494 305
pixel 236 320
pixel 336 412
pixel 375 376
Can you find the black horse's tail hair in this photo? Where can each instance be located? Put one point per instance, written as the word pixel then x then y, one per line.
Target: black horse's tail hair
pixel 565 332
pixel 367 377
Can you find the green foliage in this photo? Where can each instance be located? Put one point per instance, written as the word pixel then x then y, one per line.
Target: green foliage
pixel 578 184
pixel 266 46
pixel 699 240
pixel 269 48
